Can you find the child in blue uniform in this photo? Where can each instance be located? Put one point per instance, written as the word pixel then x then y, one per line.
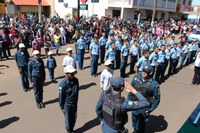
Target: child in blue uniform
pixel 51 65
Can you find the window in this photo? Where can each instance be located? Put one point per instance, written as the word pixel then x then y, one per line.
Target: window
pixel 94 1
pixel 60 0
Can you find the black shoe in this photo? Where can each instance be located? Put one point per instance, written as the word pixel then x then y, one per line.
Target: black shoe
pixel 38 105
pixel 25 90
pixel 42 105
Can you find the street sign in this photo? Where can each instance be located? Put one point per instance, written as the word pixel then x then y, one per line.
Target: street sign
pixel 83 7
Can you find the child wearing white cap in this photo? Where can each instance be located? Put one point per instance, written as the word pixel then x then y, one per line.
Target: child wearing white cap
pixel 51 65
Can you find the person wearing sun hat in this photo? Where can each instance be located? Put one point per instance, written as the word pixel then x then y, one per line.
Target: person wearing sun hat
pixel 68 97
pixel 51 65
pixel 22 58
pixel 37 75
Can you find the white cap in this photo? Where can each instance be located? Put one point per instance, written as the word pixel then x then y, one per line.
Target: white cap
pixel 69 69
pixel 21 45
pixel 35 52
pixel 50 53
pixel 184 32
pixel 107 62
pixel 69 49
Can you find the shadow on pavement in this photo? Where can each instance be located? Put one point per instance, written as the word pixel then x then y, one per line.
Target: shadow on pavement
pixel 3 94
pixel 83 87
pixel 156 124
pixel 60 77
pixel 4 123
pixel 87 126
pixel 5 103
pixel 4 67
pixel 51 101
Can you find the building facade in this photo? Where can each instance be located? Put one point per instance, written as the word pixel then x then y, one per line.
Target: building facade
pixel 127 9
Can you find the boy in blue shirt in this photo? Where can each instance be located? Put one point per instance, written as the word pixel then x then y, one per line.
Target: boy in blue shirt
pixel 51 65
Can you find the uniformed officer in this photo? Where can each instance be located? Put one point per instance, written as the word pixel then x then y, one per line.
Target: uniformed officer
pixel 110 54
pixel 184 53
pixel 51 65
pixel 36 71
pixel 118 44
pixel 68 97
pixel 102 42
pixel 22 59
pixel 153 58
pixel 94 56
pixel 112 109
pixel 124 58
pixel 109 41
pixel 149 88
pixel 80 44
pixel 173 60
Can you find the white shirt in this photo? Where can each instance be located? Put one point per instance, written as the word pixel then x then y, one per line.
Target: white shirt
pixel 69 60
pixel 105 80
pixel 197 61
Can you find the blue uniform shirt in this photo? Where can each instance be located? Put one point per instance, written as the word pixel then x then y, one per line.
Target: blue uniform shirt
pixel 36 69
pixel 153 59
pixel 145 46
pixel 167 54
pixel 178 51
pixel 102 41
pixel 94 48
pixel 51 62
pixel 118 45
pixel 161 57
pixel 110 54
pixel 172 43
pixel 125 50
pixel 141 63
pixel 185 49
pixel 108 44
pixel 134 50
pixel 151 46
pixel 68 92
pixel 22 58
pixel 173 53
pixel 81 44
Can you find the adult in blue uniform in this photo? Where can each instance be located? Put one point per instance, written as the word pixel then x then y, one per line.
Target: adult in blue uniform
pixel 184 54
pixel 80 44
pixel 153 58
pixel 112 109
pixel 124 58
pixel 94 56
pixel 22 59
pixel 173 60
pixel 149 88
pixel 68 97
pixel 102 42
pixel 36 71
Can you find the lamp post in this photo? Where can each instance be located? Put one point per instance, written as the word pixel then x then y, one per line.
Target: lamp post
pixel 40 10
pixel 78 8
pixel 154 11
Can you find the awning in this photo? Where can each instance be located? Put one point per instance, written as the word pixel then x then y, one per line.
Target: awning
pixel 29 3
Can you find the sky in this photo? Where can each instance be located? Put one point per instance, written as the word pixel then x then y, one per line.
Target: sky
pixel 196 2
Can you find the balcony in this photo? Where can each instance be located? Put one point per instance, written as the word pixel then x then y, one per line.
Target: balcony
pixel 119 3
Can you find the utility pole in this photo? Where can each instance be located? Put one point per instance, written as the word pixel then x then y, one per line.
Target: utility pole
pixel 154 11
pixel 40 10
pixel 78 8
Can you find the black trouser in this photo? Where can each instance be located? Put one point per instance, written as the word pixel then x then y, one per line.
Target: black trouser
pixel 4 51
pixel 133 61
pixel 196 78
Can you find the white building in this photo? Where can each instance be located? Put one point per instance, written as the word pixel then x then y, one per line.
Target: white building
pixel 124 8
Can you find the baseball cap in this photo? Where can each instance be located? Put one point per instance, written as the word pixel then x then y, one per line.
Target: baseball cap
pixel 69 69
pixel 35 52
pixel 50 53
pixel 117 82
pixel 148 68
pixel 69 49
pixel 107 62
pixel 21 45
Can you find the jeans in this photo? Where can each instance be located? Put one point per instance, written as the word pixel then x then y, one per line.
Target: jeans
pixel 80 56
pixel 51 73
pixel 123 66
pixel 183 59
pixel 70 117
pixel 94 64
pixel 38 88
pixel 24 77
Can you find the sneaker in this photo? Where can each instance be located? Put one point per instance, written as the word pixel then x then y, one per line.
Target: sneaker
pixel 38 105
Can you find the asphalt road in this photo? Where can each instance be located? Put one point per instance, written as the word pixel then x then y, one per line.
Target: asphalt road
pixel 19 114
